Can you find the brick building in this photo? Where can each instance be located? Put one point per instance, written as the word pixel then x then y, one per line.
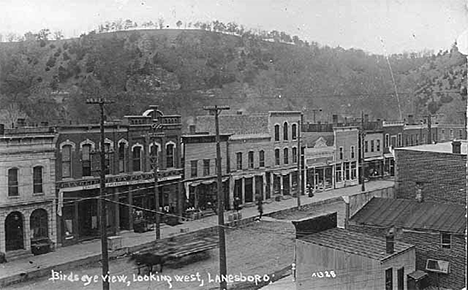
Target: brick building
pixel 450 132
pixel 129 175
pixel 27 190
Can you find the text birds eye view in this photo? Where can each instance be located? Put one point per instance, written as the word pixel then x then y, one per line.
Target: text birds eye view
pixel 233 145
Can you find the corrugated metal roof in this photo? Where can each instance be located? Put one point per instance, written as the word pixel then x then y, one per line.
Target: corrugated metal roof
pixel 355 243
pixel 410 214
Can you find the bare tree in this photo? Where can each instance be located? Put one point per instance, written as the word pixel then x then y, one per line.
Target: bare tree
pixel 11 114
pixel 161 23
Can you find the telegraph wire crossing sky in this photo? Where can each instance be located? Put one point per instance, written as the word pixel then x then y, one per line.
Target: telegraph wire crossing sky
pixel 375 26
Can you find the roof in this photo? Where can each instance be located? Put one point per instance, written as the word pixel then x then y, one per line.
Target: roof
pixel 445 147
pixel 410 214
pixel 309 138
pixel 355 243
pixel 234 124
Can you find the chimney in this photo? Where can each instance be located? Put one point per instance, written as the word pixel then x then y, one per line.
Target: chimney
pixel 192 129
pixel 366 118
pixel 456 147
pixel 390 242
pixel 410 119
pixel 239 112
pixel 335 119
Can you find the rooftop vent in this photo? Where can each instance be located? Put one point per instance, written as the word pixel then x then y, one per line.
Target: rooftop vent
pixel 456 147
pixel 390 242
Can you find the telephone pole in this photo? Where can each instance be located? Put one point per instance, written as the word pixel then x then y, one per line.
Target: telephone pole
pixel 222 239
pixel 101 202
pixel 363 186
pixel 299 166
pixel 154 163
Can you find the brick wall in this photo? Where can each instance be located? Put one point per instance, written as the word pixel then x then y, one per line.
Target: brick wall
pixel 428 247
pixel 442 174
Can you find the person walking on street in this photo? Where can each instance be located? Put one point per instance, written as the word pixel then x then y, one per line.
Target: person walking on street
pixel 237 202
pixel 260 207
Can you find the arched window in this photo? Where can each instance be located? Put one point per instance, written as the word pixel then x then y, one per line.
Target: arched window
pixel 13 182
pixel 37 179
pixel 39 224
pixel 107 163
pixel 66 160
pixel 121 155
pixel 294 154
pixel 285 131
pixel 286 155
pixel 277 157
pixel 86 160
pixel 170 155
pixel 136 158
pixel 294 131
pixel 261 158
pixel 277 132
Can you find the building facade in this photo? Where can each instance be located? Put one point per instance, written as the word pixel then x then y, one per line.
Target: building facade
pixel 27 194
pixel 346 156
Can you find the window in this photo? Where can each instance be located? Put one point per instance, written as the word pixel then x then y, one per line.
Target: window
pixel 86 160
pixel 451 133
pixel 352 152
pixel 346 171
pixel 251 159
pixel 372 145
pixel 136 157
pixel 277 157
pixel 206 167
pixel 107 163
pixel 378 146
pixel 38 223
pixel 286 155
pixel 387 139
pixel 393 140
pixel 443 135
pixel 417 139
pixel 446 241
pixel 13 182
pixel 170 155
pixel 261 158
pixel 193 168
pixel 37 179
pixel 460 134
pixel 285 131
pixel 401 278
pixel 353 170
pixel 294 131
pixel 121 157
pixel 277 132
pixel 341 152
pixel 399 140
pixel 66 160
pixel 239 160
pixel 339 173
pixel 366 146
pixel 389 279
pixel 294 154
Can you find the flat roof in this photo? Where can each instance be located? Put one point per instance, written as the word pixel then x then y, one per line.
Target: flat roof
pixel 445 147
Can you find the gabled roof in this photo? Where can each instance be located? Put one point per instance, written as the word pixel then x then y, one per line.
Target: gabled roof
pixel 234 124
pixel 310 138
pixel 410 214
pixel 355 243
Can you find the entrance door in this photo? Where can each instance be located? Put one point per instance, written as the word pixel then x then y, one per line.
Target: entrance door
pixel 14 231
pixel 87 218
pixel 124 218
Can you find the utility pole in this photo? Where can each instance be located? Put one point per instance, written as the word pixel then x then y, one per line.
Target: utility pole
pixel 222 239
pixel 299 166
pixel 154 163
pixel 429 128
pixel 363 186
pixel 101 202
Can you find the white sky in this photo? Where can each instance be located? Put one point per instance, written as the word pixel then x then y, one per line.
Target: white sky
pixel 403 25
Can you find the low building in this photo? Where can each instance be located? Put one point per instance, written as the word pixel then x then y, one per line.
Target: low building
pixel 327 257
pixel 451 132
pixel 436 229
pixel 27 190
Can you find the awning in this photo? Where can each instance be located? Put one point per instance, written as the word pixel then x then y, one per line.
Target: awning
pixel 374 158
pixel 417 275
pixel 206 182
pixel 388 155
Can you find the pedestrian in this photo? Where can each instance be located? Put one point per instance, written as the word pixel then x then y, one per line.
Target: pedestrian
pixel 237 203
pixel 260 208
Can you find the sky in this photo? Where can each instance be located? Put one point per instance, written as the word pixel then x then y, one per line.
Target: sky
pixel 375 26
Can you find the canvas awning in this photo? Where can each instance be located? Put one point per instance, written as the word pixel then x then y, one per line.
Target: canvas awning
pixel 417 275
pixel 374 158
pixel 388 155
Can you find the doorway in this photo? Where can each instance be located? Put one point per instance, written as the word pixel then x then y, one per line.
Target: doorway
pixel 14 231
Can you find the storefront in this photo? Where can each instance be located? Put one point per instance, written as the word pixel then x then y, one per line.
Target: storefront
pixel 373 167
pixel 319 168
pixel 202 195
pixel 389 165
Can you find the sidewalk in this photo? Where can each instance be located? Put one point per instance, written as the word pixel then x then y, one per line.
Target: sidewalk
pixel 88 252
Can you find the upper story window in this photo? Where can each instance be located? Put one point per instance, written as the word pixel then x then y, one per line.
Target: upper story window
pixel 285 131
pixel 286 155
pixel 136 158
pixel 352 152
pixel 251 159
pixel 400 140
pixel 460 134
pixel 239 160
pixel 66 160
pixel 366 146
pixel 121 156
pixel 37 179
pixel 393 141
pixel 442 137
pixel 86 160
pixel 277 157
pixel 107 163
pixel 387 140
pixel 193 168
pixel 446 241
pixel 170 155
pixel 378 145
pixel 372 145
pixel 13 182
pixel 294 131
pixel 294 154
pixel 451 133
pixel 206 167
pixel 277 132
pixel 341 153
pixel 261 158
